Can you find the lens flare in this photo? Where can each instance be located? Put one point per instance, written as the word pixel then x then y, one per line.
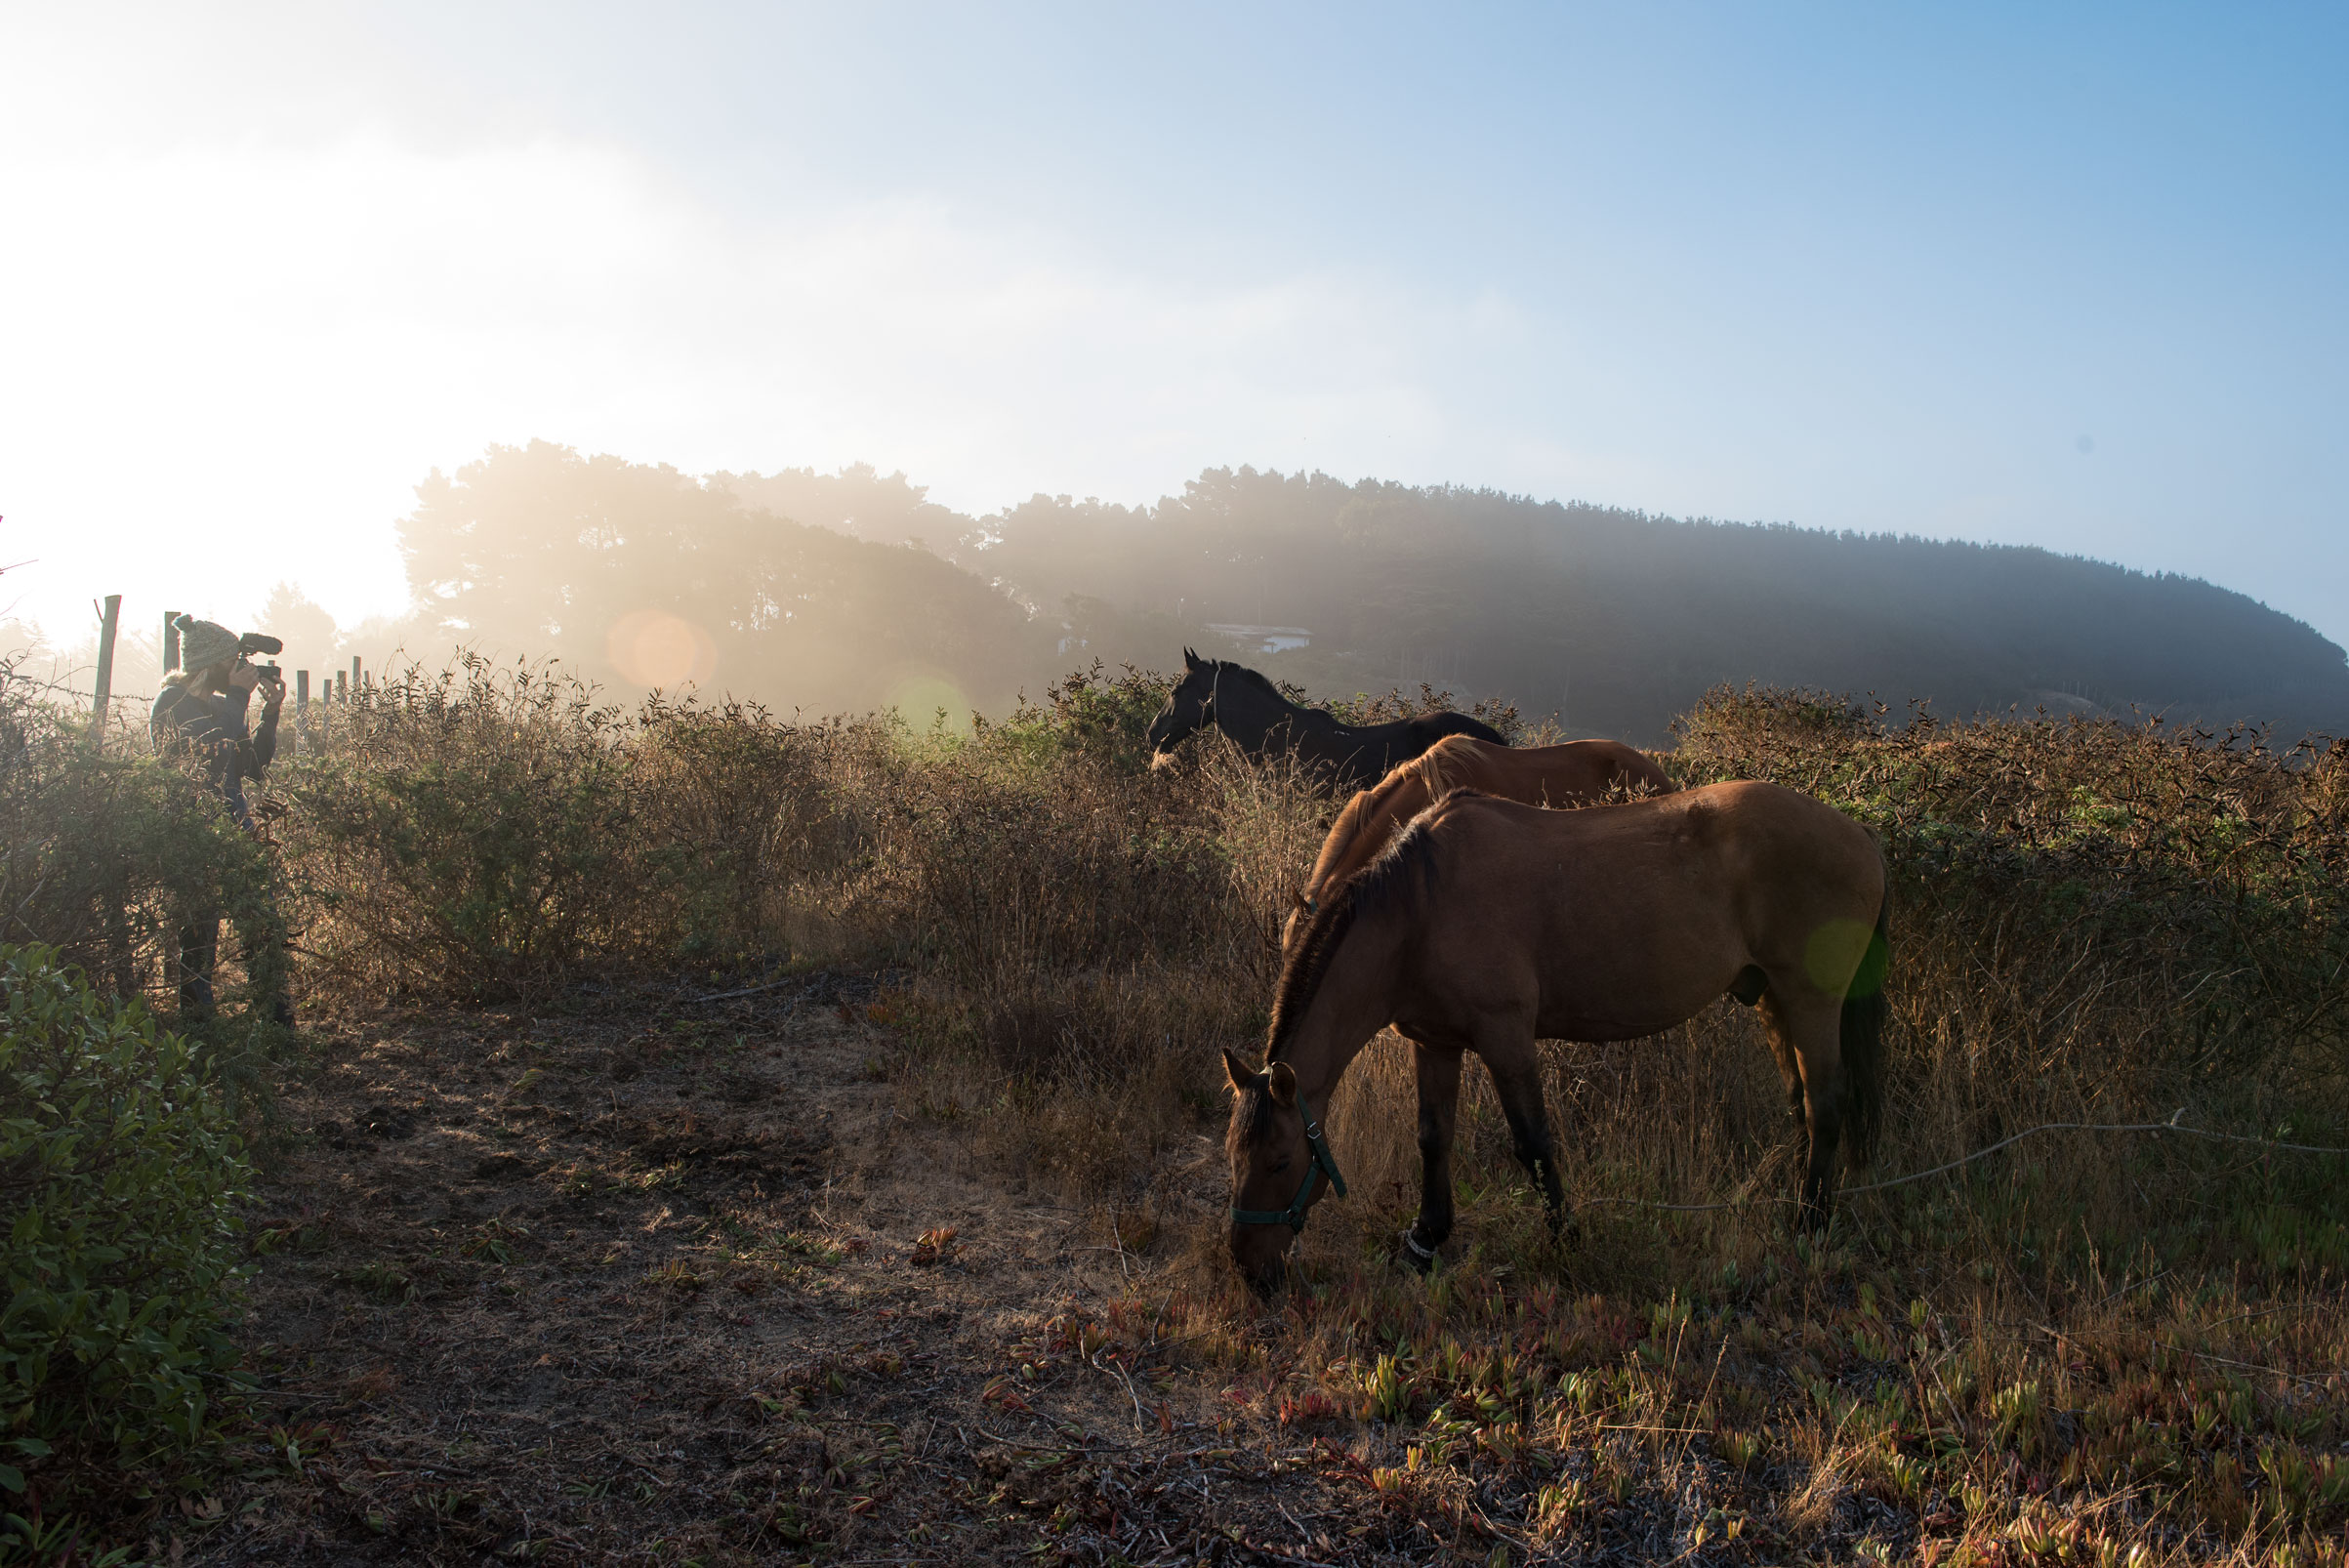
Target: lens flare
pixel 1834 952
pixel 654 648
pixel 920 694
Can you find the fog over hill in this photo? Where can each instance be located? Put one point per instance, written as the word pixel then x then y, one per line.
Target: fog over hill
pixel 843 590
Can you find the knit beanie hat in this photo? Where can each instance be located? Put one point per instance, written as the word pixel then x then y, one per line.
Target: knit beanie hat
pixel 203 644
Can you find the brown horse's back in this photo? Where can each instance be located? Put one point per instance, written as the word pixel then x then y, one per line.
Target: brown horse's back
pixel 1575 773
pixel 1621 921
pixel 1578 772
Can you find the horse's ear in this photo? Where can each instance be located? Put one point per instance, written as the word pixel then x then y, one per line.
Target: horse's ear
pixel 1190 660
pixel 1243 1077
pixel 1283 1083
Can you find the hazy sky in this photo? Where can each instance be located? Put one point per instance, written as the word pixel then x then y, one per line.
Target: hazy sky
pixel 2069 275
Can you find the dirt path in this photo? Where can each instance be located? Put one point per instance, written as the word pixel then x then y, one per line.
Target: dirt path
pixel 676 1282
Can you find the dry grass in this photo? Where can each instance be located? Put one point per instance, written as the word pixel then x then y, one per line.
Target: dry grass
pixel 2091 1347
pixel 2087 1348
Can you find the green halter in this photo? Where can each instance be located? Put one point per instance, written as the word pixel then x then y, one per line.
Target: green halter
pixel 1324 1163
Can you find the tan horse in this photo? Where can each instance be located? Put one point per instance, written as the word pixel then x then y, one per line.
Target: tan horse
pixel 1580 772
pixel 1490 925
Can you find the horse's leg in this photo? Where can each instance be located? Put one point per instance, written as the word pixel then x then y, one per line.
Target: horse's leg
pixel 1805 1034
pixel 1439 1115
pixel 1782 1048
pixel 1516 1069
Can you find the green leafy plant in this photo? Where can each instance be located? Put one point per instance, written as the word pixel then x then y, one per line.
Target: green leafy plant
pixel 120 1171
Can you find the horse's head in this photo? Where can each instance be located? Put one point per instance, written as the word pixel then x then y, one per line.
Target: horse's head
pixel 1190 706
pixel 1275 1170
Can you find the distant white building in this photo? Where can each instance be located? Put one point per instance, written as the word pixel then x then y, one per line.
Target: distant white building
pixel 1264 639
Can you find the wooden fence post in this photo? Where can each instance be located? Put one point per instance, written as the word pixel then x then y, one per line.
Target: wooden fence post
pixel 108 620
pixel 171 641
pixel 116 897
pixel 300 712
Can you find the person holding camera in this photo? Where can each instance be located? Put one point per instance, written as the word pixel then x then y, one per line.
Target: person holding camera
pixel 200 719
pixel 200 713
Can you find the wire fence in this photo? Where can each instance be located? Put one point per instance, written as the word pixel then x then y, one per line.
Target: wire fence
pixel 2173 1124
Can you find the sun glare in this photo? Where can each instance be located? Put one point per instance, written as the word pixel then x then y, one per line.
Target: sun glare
pixel 654 648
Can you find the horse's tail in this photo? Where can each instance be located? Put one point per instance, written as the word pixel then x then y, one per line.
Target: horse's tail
pixel 1862 1039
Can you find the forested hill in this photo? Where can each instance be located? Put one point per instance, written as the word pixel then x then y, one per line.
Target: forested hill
pixel 849 590
pixel 1618 620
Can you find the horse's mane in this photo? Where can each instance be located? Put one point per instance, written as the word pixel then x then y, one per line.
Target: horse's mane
pixel 1434 768
pixel 1256 678
pixel 1431 767
pixel 1397 878
pixel 1349 825
pixel 1299 713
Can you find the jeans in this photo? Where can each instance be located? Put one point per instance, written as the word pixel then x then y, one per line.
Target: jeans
pixel 261 937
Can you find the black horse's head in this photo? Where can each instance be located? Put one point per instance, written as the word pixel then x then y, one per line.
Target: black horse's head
pixel 1190 706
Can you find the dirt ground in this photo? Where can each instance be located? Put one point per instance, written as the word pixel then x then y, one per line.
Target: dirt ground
pixel 676 1280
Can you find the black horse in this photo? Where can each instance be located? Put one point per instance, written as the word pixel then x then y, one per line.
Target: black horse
pixel 1252 711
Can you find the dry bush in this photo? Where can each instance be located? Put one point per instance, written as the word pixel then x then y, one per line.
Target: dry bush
pixel 2187 887
pixel 486 830
pixel 1083 933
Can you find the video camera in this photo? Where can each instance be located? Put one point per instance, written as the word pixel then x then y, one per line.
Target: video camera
pixel 253 642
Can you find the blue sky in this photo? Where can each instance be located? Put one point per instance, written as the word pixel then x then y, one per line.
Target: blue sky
pixel 2059 275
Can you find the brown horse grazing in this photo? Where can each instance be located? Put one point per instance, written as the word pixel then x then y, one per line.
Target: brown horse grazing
pixel 1580 772
pixel 1248 708
pixel 1489 925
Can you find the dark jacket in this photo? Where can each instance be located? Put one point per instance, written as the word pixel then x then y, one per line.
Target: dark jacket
pixel 211 729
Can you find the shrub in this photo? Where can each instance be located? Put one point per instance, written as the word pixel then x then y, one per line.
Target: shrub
pixel 102 855
pixel 2187 892
pixel 745 821
pixel 1094 712
pixel 470 825
pixel 485 831
pixel 120 1172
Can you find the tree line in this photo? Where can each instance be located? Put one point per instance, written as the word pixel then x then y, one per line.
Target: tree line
pixel 851 590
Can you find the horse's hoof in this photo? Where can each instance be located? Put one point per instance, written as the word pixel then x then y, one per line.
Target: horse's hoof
pixel 1422 1260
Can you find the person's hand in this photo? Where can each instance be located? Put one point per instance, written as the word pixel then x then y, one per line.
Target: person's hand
pixel 244 676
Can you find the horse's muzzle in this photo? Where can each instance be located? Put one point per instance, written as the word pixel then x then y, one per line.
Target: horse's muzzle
pixel 1263 1266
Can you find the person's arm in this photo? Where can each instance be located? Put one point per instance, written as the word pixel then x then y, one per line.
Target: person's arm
pixel 244 757
pixel 264 750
